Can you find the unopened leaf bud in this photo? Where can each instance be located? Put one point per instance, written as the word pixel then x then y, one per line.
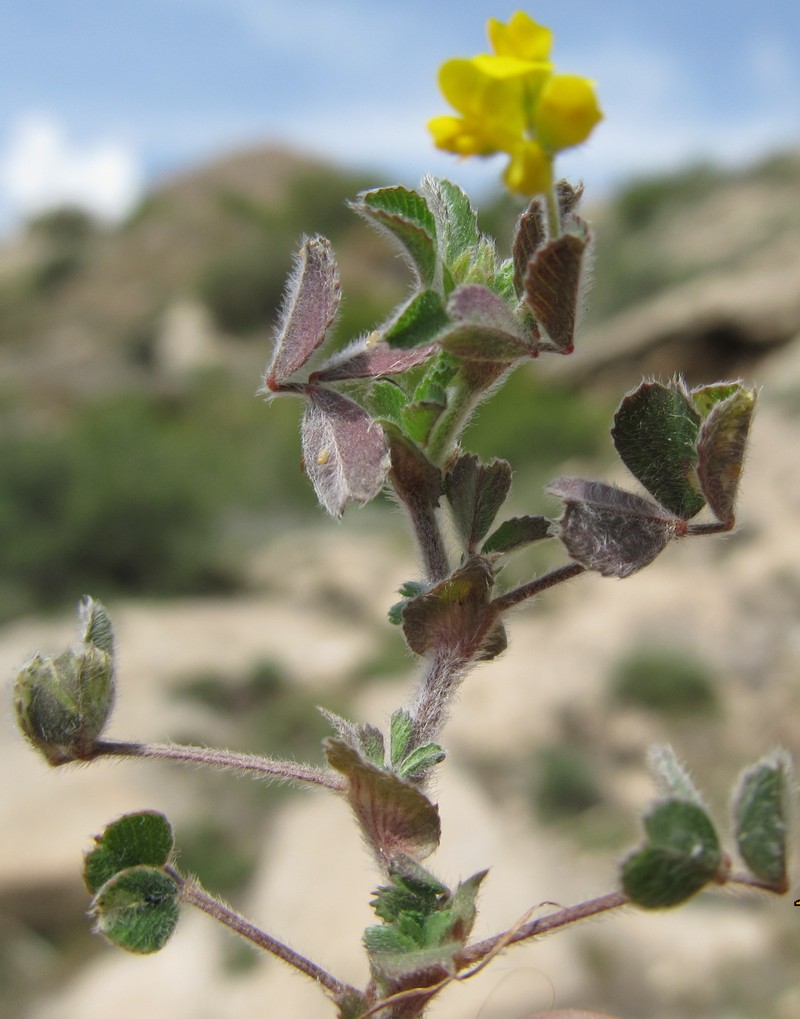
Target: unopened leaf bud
pixel 63 703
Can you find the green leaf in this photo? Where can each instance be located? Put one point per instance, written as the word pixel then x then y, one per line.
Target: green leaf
pixel 476 491
pixel 410 589
pixel 516 532
pixel 656 878
pixel 96 624
pixel 454 922
pixel 456 219
pixel 382 938
pixel 655 433
pixel 137 909
pixel 420 321
pixel 406 217
pixel 682 855
pixel 386 401
pixel 144 837
pixel 421 760
pixel 705 398
pixel 395 817
pixel 671 776
pixel 370 741
pixel 760 818
pixel 721 448
pixel 420 416
pixel 401 728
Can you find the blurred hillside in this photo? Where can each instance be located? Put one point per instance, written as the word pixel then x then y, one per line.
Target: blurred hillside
pixel 129 357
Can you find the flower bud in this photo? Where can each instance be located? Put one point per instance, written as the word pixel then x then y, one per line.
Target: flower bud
pixel 63 703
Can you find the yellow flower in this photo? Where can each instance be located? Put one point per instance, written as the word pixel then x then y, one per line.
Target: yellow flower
pixel 512 101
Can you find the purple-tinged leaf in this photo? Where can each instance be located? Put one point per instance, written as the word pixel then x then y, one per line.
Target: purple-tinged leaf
pixel 344 450
pixel 531 230
pixel 395 817
pixel 478 305
pixel 655 433
pixel 553 284
pixel 569 197
pixel 454 614
pixel 415 479
pixel 476 491
pixel 720 451
pixel 516 532
pixel 482 343
pixel 484 329
pixel 529 236
pixel 371 357
pixel 609 530
pixel 309 308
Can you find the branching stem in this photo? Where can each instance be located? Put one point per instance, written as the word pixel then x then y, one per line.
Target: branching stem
pixel 545 924
pixel 193 894
pixel 253 764
pixel 520 594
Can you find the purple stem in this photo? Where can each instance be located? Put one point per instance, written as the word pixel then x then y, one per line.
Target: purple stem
pixel 269 767
pixel 520 594
pixel 193 894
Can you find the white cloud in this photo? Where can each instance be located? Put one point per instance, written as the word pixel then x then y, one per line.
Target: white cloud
pixel 41 168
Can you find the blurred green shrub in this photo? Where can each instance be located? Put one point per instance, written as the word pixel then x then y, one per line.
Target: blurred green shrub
pixel 142 493
pixel 664 681
pixel 564 783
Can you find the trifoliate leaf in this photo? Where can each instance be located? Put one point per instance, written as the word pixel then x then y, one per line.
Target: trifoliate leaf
pixel 682 854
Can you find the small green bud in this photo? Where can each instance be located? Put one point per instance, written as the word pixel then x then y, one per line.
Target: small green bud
pixel 63 703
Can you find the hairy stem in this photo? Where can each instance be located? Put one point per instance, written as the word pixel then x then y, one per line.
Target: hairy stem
pixel 473 383
pixel 253 764
pixel 534 928
pixel 443 675
pixel 520 594
pixel 429 539
pixel 717 527
pixel 193 894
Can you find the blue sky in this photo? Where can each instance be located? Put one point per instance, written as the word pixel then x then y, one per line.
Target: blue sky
pixel 100 98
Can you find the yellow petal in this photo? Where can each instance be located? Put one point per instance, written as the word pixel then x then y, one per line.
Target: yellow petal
pixel 496 102
pixel 530 171
pixel 460 135
pixel 522 37
pixel 566 112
